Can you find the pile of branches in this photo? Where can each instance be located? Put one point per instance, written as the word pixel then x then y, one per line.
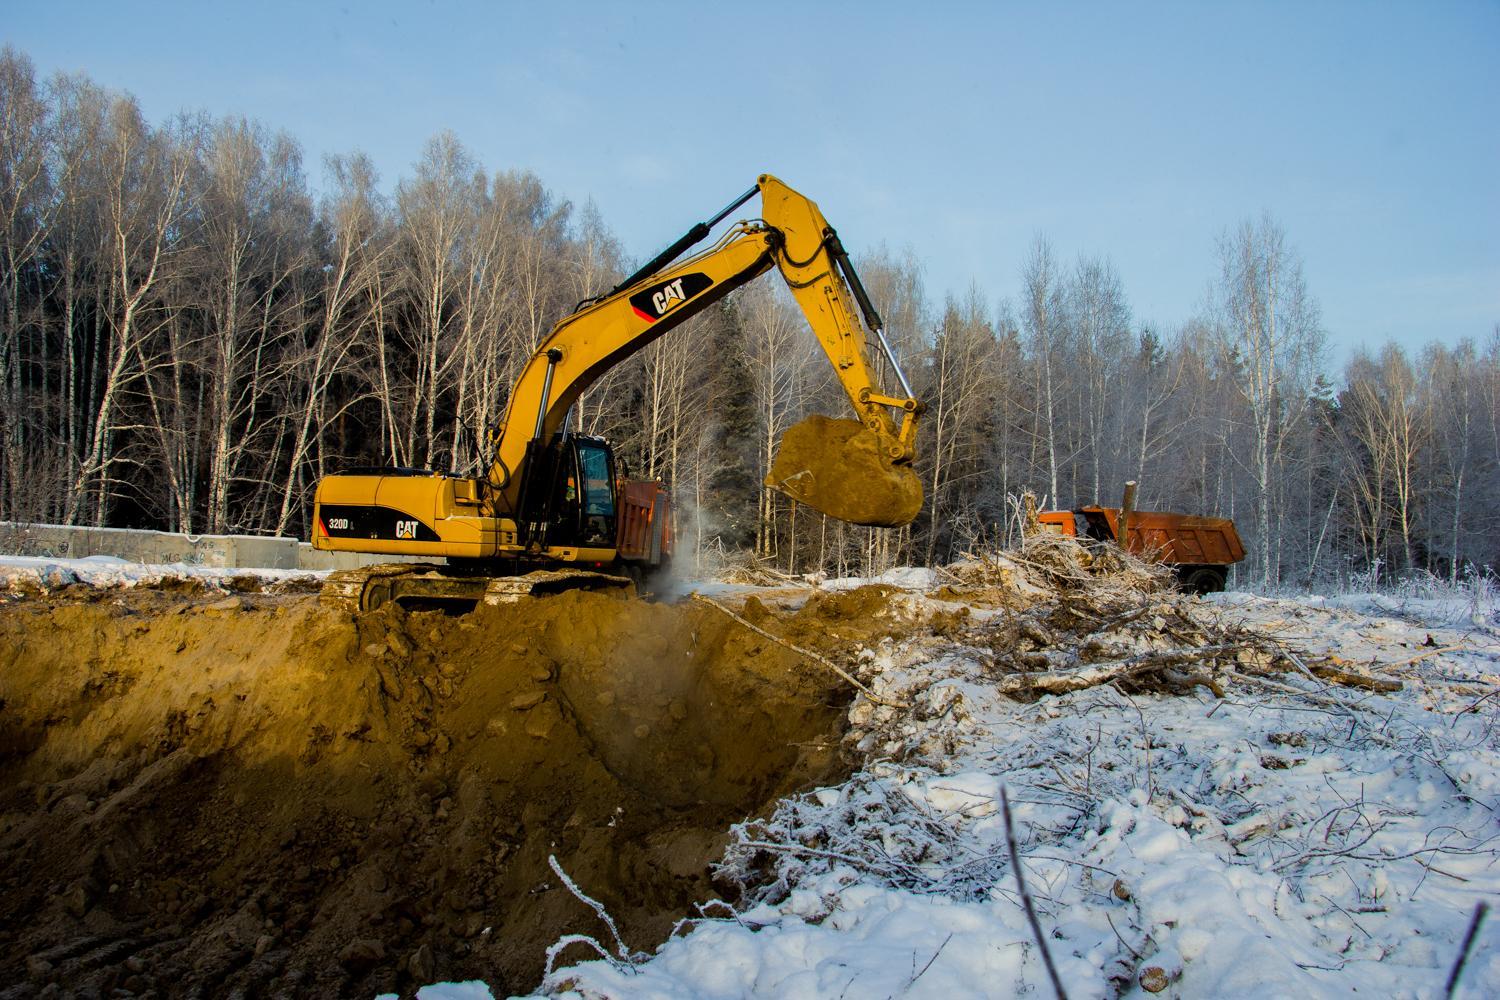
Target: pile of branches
pixel 754 571
pixel 1047 564
pixel 1100 615
pixel 1087 567
pixel 1166 645
pixel 868 829
pixel 1081 617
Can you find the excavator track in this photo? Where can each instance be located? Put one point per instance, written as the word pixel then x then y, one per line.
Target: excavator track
pixel 372 587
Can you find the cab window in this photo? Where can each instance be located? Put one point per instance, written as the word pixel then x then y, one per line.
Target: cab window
pixel 598 494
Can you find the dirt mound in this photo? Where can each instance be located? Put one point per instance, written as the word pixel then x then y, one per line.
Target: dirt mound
pixel 204 796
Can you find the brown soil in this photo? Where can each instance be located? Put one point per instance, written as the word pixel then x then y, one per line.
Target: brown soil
pixel 837 467
pixel 260 795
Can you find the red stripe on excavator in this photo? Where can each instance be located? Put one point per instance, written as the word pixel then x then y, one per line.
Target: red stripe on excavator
pixel 323 527
pixel 645 316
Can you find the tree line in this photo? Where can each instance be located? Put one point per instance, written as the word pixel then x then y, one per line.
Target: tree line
pixel 191 337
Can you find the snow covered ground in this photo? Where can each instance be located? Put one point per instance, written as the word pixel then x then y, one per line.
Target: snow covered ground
pixel 44 573
pixel 1293 841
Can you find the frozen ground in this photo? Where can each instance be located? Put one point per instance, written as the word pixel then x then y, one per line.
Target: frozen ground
pixel 1293 841
pixel 45 573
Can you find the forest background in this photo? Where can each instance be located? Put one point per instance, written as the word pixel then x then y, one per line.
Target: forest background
pixel 190 338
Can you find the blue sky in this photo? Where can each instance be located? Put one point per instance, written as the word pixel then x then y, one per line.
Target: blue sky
pixel 1138 131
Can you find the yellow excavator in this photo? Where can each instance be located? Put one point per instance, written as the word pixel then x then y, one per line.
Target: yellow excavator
pixel 551 513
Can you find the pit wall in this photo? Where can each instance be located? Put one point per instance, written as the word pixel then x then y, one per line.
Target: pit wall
pixel 62 541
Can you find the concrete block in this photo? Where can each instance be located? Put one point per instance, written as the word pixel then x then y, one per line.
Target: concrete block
pixel 265 552
pixel 157 547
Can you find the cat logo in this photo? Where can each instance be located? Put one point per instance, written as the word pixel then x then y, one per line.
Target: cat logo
pixel 655 301
pixel 668 297
pixel 406 529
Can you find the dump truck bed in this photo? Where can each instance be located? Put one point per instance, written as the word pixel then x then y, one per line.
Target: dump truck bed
pixel 1176 539
pixel 1180 539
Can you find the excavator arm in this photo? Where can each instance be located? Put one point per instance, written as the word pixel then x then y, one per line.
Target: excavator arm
pixel 858 472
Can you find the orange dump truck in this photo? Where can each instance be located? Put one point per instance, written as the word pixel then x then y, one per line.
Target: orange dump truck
pixel 1200 549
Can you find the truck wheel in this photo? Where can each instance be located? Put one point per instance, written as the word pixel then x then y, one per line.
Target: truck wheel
pixel 1204 580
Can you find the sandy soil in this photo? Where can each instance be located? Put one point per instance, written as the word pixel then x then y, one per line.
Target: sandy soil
pixel 837 467
pixel 258 795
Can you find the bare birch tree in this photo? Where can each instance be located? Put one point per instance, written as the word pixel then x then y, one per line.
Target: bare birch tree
pixel 778 352
pixel 360 242
pixel 437 219
pixel 25 210
pixel 1100 321
pixel 142 206
pixel 960 394
pixel 1266 314
pixel 254 212
pixel 1042 324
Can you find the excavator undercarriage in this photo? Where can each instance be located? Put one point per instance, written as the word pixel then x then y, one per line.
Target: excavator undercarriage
pixel 370 588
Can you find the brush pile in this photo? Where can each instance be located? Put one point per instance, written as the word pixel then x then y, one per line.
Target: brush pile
pixel 1070 616
pixel 1076 615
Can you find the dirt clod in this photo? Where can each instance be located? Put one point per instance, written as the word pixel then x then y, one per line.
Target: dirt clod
pixel 1154 979
pixel 527 699
pixel 419 964
pixel 361 954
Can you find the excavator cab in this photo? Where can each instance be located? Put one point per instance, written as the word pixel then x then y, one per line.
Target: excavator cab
pixel 570 500
pixel 596 491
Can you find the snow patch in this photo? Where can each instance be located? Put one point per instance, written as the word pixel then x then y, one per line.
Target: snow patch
pixel 46 573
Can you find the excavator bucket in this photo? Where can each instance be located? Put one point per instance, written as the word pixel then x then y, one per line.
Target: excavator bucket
pixel 840 467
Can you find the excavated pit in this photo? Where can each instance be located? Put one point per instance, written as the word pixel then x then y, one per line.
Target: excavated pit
pixel 264 796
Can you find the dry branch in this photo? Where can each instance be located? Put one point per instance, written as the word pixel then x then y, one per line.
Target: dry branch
pixel 1480 909
pixel 1326 672
pixel 1418 658
pixel 1027 905
pixel 1063 681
